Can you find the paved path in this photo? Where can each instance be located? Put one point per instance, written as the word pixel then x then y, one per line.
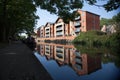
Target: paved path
pixel 17 62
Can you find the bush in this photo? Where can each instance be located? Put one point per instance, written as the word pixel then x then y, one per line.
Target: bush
pixel 97 43
pixel 89 37
pixel 97 38
pixel 114 39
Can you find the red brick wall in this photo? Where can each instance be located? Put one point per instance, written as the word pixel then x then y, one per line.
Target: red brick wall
pixel 38 33
pixel 52 31
pixel 92 21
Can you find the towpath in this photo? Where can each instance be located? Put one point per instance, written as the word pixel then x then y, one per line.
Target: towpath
pixel 17 62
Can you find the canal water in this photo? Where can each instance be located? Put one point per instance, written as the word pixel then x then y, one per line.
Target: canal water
pixel 69 62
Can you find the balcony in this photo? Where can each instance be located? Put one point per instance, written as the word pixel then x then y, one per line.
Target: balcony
pixel 77 53
pixel 59 55
pixel 77 18
pixel 59 51
pixel 47 35
pixel 47 51
pixel 47 31
pixel 59 33
pixel 47 48
pixel 77 24
pixel 78 66
pixel 59 28
pixel 77 30
pixel 60 23
pixel 78 60
pixel 48 27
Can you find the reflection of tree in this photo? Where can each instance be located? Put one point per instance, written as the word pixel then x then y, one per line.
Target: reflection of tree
pixel 91 50
pixel 107 54
pixel 117 55
pixel 106 58
pixel 117 62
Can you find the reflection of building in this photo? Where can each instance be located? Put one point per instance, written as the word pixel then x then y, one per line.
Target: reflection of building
pixel 59 53
pixel 41 49
pixel 68 55
pixel 47 51
pixel 60 30
pixel 85 64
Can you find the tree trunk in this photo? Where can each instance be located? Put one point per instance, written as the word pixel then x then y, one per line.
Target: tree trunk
pixel 4 21
pixel 4 34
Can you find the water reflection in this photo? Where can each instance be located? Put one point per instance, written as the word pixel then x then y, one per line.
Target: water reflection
pixel 68 55
pixel 65 62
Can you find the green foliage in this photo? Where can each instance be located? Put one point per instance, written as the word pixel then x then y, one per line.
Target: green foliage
pixel 115 20
pixel 65 8
pixel 88 36
pixel 105 21
pixel 16 16
pixel 117 17
pixel 114 39
pixel 19 15
pixel 107 54
pixel 112 5
pixel 97 38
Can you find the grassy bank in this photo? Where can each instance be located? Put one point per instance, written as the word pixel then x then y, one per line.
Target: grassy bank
pixel 97 38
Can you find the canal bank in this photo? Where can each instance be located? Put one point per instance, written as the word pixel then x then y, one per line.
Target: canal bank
pixel 17 62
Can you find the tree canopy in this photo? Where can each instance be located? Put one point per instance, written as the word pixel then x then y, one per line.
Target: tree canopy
pixel 105 21
pixel 115 20
pixel 19 15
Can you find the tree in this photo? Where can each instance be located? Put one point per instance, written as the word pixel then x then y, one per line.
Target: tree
pixel 105 21
pixel 16 16
pixel 116 21
pixel 112 5
pixel 19 15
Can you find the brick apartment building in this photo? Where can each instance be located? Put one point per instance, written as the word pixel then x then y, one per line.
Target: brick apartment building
pixel 60 30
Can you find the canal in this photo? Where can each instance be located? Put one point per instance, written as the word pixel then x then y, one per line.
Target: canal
pixel 69 62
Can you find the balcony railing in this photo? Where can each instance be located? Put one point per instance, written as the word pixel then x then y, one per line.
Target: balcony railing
pixel 77 24
pixel 47 36
pixel 47 31
pixel 77 30
pixel 48 27
pixel 77 18
pixel 59 28
pixel 47 50
pixel 59 55
pixel 59 50
pixel 58 24
pixel 77 53
pixel 78 66
pixel 59 33
pixel 78 60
